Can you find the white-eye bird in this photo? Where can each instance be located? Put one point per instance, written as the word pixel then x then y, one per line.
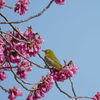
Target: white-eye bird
pixel 51 59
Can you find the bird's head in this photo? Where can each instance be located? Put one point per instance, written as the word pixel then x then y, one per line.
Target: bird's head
pixel 48 51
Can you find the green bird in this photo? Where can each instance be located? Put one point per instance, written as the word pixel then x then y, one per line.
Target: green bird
pixel 51 59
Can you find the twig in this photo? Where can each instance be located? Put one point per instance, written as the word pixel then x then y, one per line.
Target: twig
pixel 9 7
pixel 3 88
pixel 25 20
pixel 72 97
pixel 30 83
pixel 72 87
pixel 12 26
pixel 8 67
pixel 20 82
pixel 62 90
pixel 15 37
pixel 16 78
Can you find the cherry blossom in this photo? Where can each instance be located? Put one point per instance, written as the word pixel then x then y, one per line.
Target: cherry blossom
pixel 3 75
pixel 24 67
pixel 28 49
pixel 2 3
pixel 22 7
pixel 14 92
pixel 97 96
pixel 61 2
pixel 43 87
pixel 65 73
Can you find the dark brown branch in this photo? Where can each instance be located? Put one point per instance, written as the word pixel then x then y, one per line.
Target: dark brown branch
pixel 12 26
pixel 19 81
pixel 72 97
pixel 3 88
pixel 62 90
pixel 72 87
pixel 25 20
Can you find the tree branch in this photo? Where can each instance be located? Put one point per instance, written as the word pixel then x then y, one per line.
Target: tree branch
pixel 72 97
pixel 25 20
pixel 72 87
pixel 13 27
pixel 3 88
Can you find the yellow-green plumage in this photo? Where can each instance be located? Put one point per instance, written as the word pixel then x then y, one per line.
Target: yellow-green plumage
pixel 51 59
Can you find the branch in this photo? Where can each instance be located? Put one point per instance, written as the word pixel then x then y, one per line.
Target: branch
pixel 72 86
pixel 10 7
pixel 20 82
pixel 72 97
pixel 3 88
pixel 16 78
pixel 12 26
pixel 62 90
pixel 25 20
pixel 15 37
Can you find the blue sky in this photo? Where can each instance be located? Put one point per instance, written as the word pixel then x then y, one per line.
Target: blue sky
pixel 72 31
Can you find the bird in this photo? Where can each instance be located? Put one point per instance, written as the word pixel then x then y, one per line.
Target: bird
pixel 51 59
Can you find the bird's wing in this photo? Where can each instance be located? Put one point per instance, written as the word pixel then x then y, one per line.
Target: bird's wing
pixel 54 58
pixel 49 60
pixel 52 62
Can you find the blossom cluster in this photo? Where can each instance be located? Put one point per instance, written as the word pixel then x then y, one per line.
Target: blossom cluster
pixel 97 96
pixel 14 92
pixel 3 75
pixel 28 44
pixel 2 3
pixel 65 73
pixel 29 47
pixel 23 68
pixel 22 6
pixel 43 87
pixel 61 2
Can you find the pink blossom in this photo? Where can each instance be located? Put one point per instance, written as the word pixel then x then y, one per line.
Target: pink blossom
pixel 25 1
pixel 24 67
pixel 21 7
pixel 30 97
pixel 43 87
pixel 14 93
pixel 34 46
pixel 28 49
pixel 65 73
pixel 3 75
pixel 2 54
pixel 2 3
pixel 38 94
pixel 2 51
pixel 14 57
pixel 61 2
pixel 6 67
pixel 97 96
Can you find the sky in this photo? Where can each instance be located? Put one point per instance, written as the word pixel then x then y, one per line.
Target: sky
pixel 72 31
